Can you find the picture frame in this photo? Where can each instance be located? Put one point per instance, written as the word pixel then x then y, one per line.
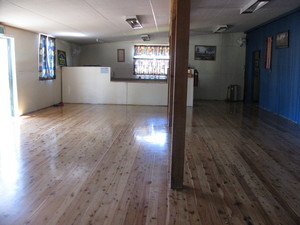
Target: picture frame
pixel 268 52
pixel 121 55
pixel 282 39
pixel 204 52
pixel 61 58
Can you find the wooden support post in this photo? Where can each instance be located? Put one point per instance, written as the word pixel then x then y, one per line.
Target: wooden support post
pixel 171 64
pixel 180 53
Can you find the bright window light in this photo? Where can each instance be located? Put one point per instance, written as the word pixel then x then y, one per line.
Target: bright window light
pixel 4 80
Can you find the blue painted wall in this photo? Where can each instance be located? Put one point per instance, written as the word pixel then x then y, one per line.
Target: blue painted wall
pixel 280 85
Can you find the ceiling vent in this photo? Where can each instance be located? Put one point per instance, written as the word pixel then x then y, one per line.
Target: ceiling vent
pixel 134 22
pixel 253 5
pixel 220 29
pixel 145 37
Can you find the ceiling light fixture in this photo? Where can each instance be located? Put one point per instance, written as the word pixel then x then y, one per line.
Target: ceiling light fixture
pixel 220 28
pixel 253 5
pixel 99 40
pixel 145 37
pixel 134 22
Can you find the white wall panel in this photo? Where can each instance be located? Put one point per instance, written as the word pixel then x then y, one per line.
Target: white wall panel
pixel 90 85
pixel 148 93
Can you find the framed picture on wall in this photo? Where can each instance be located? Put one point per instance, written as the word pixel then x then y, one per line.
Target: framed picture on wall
pixel 203 52
pixel 268 52
pixel 282 40
pixel 61 58
pixel 121 55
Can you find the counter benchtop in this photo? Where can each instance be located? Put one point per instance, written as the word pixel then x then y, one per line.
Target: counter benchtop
pixel 114 79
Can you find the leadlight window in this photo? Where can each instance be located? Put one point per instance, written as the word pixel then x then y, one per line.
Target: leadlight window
pixel 46 57
pixel 151 61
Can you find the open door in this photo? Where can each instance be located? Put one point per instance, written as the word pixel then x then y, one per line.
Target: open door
pixel 7 81
pixel 256 76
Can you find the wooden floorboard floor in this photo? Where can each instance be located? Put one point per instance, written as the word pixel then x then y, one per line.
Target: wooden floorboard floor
pixel 108 164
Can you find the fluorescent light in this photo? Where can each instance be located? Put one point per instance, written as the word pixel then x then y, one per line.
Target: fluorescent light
pixel 253 5
pixel 134 22
pixel 70 34
pixel 220 28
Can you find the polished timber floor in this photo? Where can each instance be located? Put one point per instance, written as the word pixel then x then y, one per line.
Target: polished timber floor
pixel 108 164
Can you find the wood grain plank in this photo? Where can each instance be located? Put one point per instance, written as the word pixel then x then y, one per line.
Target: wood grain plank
pixel 109 164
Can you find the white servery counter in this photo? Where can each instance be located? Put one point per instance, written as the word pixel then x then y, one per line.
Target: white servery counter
pixel 93 85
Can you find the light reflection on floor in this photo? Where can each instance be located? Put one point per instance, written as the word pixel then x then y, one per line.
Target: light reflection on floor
pixel 152 135
pixel 10 165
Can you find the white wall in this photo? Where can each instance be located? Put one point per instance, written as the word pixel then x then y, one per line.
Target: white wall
pixel 228 68
pixel 106 55
pixel 214 76
pixel 32 93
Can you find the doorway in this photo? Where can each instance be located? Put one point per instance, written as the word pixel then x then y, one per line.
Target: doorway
pixel 8 97
pixel 256 76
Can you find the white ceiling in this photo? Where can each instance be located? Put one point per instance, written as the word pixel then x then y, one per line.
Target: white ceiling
pixel 105 19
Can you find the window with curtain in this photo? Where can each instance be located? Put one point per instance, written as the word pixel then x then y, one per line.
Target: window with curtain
pixel 151 61
pixel 46 57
